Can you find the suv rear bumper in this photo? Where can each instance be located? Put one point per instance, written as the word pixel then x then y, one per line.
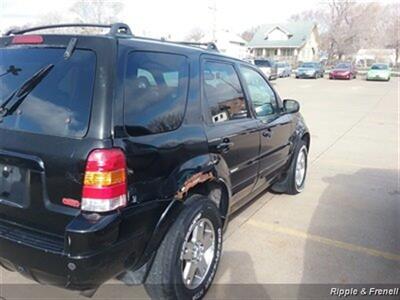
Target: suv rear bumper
pixel 50 260
pixel 51 268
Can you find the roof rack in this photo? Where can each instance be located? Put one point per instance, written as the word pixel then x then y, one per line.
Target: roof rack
pixel 210 46
pixel 115 29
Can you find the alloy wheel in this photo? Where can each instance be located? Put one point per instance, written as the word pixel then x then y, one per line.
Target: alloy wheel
pixel 198 253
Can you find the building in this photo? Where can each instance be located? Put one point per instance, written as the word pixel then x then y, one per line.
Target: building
pixel 228 43
pixel 292 42
pixel 366 57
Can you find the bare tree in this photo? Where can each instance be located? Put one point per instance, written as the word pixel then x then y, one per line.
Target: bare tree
pixel 96 11
pixel 389 28
pixel 45 19
pixel 317 16
pixel 346 26
pixel 195 35
pixel 248 34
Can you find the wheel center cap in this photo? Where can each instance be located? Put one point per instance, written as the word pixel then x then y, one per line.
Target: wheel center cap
pixel 197 252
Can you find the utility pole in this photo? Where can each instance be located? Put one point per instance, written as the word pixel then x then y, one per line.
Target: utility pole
pixel 213 9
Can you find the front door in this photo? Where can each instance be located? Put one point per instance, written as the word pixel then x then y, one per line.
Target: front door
pixel 232 132
pixel 275 126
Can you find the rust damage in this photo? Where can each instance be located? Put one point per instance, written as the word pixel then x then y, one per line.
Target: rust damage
pixel 192 182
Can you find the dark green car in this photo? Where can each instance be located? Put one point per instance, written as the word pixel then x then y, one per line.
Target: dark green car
pixel 379 72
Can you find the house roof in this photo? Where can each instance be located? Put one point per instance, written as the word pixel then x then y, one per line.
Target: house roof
pixel 299 32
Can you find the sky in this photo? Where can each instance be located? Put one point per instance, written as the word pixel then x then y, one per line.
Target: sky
pixel 169 17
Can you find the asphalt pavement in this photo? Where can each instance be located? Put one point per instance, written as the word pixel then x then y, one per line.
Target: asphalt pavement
pixel 345 227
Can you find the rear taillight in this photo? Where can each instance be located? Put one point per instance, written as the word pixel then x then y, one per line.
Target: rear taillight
pixel 27 39
pixel 105 187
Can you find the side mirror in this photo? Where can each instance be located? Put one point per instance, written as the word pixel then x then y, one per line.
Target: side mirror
pixel 291 106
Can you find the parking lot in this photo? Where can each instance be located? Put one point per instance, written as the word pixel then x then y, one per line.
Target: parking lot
pixel 344 228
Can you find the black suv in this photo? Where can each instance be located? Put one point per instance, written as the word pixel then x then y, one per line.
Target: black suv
pixel 124 157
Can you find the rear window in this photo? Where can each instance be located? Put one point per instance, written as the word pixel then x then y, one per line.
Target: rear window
pixel 343 66
pixel 60 104
pixel 308 65
pixel 379 67
pixel 262 63
pixel 156 87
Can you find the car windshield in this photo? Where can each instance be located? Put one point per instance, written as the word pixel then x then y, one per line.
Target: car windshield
pixel 379 67
pixel 308 65
pixel 262 63
pixel 60 103
pixel 342 66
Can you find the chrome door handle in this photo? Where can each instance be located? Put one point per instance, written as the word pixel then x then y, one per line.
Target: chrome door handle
pixel 225 146
pixel 267 134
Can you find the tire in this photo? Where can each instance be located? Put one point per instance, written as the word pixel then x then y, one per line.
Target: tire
pixel 166 276
pixel 289 185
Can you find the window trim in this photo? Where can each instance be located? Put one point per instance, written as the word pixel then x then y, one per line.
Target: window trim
pixel 276 96
pixel 125 69
pixel 205 105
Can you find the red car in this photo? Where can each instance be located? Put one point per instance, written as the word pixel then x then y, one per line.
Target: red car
pixel 343 71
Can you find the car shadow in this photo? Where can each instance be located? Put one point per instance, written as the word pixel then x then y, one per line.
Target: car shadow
pixel 237 285
pixel 354 233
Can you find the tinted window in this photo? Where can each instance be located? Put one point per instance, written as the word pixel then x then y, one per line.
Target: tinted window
pixel 380 67
pixel 60 103
pixel 223 92
pixel 343 66
pixel 308 65
pixel 156 88
pixel 261 94
pixel 262 63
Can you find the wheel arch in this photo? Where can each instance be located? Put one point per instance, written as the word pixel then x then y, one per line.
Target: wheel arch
pixel 201 175
pixel 307 139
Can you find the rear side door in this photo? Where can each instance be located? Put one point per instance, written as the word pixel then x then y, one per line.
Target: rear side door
pixel 231 131
pixel 275 127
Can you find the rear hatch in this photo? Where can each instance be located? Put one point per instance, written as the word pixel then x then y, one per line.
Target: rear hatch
pixel 46 136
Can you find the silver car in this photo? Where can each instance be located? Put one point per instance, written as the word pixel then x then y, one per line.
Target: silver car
pixel 284 69
pixel 268 67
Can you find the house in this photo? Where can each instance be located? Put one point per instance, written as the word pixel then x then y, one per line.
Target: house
pixel 366 57
pixel 228 43
pixel 293 42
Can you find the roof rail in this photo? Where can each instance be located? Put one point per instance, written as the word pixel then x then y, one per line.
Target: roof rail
pixel 115 29
pixel 210 46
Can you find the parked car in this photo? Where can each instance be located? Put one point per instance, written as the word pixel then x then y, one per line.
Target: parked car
pixel 310 70
pixel 284 69
pixel 343 71
pixel 268 67
pixel 125 157
pixel 379 72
